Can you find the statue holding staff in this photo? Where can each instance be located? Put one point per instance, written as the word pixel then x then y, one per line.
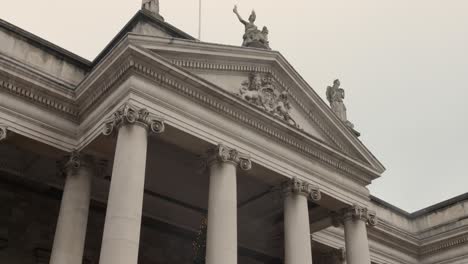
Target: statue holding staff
pixel 252 36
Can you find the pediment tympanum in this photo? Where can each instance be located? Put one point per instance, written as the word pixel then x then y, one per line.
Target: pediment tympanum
pixel 264 88
pixel 261 87
pixel 266 82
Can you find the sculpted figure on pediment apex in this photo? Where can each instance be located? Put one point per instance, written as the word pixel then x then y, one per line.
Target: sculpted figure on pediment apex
pixel 253 37
pixel 151 5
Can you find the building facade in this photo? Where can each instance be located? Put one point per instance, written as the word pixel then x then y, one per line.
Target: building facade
pixel 123 160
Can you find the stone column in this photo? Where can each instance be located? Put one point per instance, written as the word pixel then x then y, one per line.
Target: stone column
pixel 297 239
pixel 221 242
pixel 121 238
pixel 70 232
pixel 355 220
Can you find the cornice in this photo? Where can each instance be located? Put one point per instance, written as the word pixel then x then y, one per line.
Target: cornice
pixel 16 68
pixel 414 245
pixel 443 245
pixel 395 238
pixel 91 97
pixel 33 94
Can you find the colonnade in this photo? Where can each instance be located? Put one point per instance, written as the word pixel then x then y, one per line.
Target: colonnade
pixel 120 243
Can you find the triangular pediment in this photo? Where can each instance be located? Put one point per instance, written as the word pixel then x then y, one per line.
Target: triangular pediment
pixel 264 81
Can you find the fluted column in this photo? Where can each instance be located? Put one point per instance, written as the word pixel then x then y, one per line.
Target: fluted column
pixel 297 244
pixel 120 242
pixel 221 244
pixel 70 233
pixel 355 220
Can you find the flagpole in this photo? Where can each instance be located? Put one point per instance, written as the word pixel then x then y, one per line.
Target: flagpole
pixel 199 19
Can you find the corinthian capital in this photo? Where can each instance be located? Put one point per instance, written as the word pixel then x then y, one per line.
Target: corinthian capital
pixel 221 153
pixel 356 212
pixel 301 187
pixel 3 132
pixel 129 114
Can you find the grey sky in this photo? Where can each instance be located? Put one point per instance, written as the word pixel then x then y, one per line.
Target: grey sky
pixel 404 65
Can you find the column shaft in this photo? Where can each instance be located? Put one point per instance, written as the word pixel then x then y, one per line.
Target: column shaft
pixel 221 240
pixel 120 243
pixel 70 234
pixel 221 245
pixel 297 246
pixel 357 244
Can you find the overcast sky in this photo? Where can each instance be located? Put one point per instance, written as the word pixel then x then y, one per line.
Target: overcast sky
pixel 403 63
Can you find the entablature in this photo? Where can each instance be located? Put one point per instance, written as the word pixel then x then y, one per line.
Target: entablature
pixel 442 230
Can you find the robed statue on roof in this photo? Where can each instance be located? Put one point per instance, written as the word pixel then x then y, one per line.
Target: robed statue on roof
pixel 335 96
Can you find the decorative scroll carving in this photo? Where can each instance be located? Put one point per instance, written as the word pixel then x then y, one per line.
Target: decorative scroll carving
pixel 129 114
pixel 355 212
pixel 75 161
pixel 221 153
pixel 259 91
pixel 3 132
pixel 253 37
pixel 301 187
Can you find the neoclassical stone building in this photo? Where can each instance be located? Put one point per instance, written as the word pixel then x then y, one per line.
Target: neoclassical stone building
pixel 120 160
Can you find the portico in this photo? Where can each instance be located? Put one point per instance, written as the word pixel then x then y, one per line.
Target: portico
pixel 190 130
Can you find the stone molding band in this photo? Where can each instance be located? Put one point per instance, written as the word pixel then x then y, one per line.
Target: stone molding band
pixel 129 114
pixel 303 188
pixel 355 212
pixel 222 153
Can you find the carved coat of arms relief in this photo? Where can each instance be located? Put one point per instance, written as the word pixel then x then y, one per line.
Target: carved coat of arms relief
pixel 259 91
